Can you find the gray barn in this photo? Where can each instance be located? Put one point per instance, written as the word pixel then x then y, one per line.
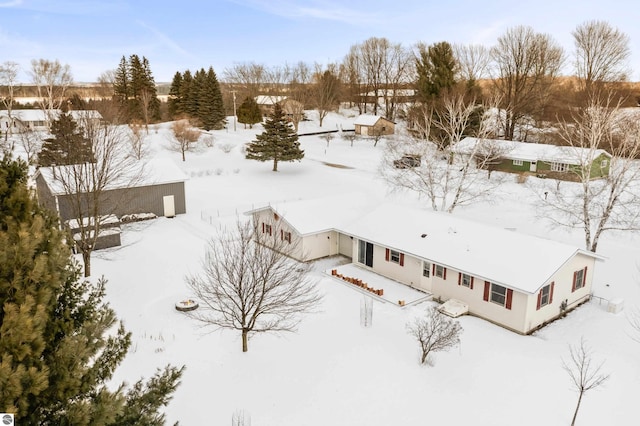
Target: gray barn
pixel 160 190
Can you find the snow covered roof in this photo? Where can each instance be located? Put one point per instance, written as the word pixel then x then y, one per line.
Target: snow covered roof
pixel 152 172
pixel 516 260
pixel 28 115
pixel 320 214
pixel 269 99
pixel 533 151
pixel 367 120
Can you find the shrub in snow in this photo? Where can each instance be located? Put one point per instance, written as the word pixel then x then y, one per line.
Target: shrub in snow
pixel 434 332
pixel 137 217
pixel 226 148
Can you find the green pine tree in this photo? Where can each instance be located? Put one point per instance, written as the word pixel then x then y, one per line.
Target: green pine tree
pixel 436 68
pixel 187 91
pixel 122 89
pixel 249 112
pixel 68 145
pixel 213 96
pixel 278 142
pixel 58 347
pixel 175 98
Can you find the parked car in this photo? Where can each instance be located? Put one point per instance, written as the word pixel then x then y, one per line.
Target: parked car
pixel 407 161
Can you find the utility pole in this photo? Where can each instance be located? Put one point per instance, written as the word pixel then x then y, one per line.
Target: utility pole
pixel 235 116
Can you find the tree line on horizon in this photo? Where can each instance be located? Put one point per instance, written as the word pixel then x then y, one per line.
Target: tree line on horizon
pixel 522 70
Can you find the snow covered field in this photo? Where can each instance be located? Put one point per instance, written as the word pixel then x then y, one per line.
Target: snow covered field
pixel 333 371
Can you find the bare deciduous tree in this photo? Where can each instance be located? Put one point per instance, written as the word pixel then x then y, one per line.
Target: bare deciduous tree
pixel 326 90
pixel 8 80
pixel 526 64
pixel 597 205
pixel 146 97
pixel 584 374
pixel 249 78
pixel 601 54
pixel 349 136
pixel 31 143
pixel 473 61
pixel 434 332
pixel 88 185
pixel 445 179
pixel 240 418
pixel 184 136
pixel 377 68
pixel 138 146
pixel 251 284
pixel 52 80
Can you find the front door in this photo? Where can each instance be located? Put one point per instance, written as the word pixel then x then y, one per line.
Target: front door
pixel 365 253
pixel 532 166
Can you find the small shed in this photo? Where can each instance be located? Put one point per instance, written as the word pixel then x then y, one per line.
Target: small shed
pixel 373 125
pixel 159 190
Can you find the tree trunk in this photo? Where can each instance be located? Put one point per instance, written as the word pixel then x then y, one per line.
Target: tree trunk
pixel 183 159
pixel 575 414
pixel 245 337
pixel 424 357
pixel 275 164
pixel 86 258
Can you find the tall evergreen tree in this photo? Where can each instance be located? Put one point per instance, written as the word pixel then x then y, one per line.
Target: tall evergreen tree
pixel 199 98
pixel 213 97
pixel 278 142
pixel 249 112
pixel 189 102
pixel 68 145
pixel 122 88
pixel 58 348
pixel 436 68
pixel 175 98
pixel 150 91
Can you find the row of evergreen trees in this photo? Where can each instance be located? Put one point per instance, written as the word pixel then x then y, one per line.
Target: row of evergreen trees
pixel 60 342
pixel 135 90
pixel 197 97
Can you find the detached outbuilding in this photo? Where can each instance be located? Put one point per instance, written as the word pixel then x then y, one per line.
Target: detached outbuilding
pixel 160 190
pixel 373 125
pixel 518 281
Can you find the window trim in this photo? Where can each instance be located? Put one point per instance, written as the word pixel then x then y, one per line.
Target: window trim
pixel 559 167
pixel 438 271
pixel 545 299
pixel 488 295
pixel 583 281
pixel 426 269
pixel 517 162
pixel 465 280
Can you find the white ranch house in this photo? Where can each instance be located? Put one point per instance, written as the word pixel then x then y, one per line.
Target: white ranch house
pixel 544 159
pixel 36 120
pixel 518 281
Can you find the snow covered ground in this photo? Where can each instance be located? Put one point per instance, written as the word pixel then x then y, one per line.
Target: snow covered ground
pixel 333 371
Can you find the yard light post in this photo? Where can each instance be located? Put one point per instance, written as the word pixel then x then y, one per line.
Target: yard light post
pixel 235 117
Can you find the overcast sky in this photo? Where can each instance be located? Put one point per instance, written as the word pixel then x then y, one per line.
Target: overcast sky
pixel 91 36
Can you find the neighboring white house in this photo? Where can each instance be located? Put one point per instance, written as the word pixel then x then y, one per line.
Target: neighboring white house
pixel 36 119
pixel 518 281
